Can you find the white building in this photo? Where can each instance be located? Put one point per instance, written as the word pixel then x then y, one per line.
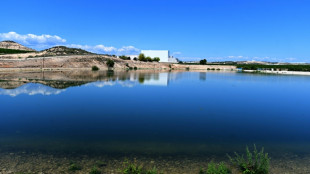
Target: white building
pixel 162 54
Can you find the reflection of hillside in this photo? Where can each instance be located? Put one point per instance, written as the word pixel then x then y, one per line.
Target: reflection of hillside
pixel 47 83
pixel 65 79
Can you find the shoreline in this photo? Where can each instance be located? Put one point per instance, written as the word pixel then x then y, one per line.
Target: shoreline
pixel 34 162
pixel 278 72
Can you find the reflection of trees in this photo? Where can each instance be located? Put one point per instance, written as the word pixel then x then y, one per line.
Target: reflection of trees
pixel 141 79
pixel 202 76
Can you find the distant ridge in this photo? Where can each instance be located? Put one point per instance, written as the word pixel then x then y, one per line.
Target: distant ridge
pixel 8 44
pixel 62 50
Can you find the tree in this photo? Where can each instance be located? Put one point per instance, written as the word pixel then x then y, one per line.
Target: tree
pixel 110 63
pixel 156 59
pixel 148 59
pixel 203 62
pixel 141 57
pixel 124 57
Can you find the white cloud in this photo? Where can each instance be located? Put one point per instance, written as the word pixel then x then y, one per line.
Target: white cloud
pixel 175 54
pixel 37 41
pixel 126 50
pixel 46 41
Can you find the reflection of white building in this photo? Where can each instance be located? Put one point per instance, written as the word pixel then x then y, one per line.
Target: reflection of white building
pixel 160 79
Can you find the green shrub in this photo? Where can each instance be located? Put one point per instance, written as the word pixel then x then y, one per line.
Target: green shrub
pixel 94 68
pixel 110 63
pixel 216 169
pixel 74 167
pixel 100 164
pixel 187 68
pixel 135 68
pixel 254 163
pixel 133 168
pixel 148 59
pixel 156 59
pixel 95 170
pixel 124 57
pixel 142 57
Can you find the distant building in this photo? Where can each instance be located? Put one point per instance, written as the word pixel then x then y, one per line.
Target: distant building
pixel 172 59
pixel 162 54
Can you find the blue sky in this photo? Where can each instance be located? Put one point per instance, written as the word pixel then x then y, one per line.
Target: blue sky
pixel 269 30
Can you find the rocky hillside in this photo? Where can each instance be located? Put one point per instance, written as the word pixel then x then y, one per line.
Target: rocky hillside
pixel 14 46
pixel 62 51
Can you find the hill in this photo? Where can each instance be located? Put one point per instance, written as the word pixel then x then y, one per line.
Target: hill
pixel 11 45
pixel 62 50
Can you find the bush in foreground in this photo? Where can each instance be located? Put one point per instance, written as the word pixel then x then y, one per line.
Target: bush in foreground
pixel 95 170
pixel 213 168
pixel 133 168
pixel 253 163
pixel 74 167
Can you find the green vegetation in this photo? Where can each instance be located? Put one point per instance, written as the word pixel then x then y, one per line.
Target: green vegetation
pixel 95 170
pixel 203 62
pixel 213 168
pixel 135 68
pixel 100 164
pixel 133 168
pixel 276 67
pixel 254 163
pixel 124 57
pixel 74 167
pixel 110 63
pixel 11 51
pixel 148 59
pixel 156 59
pixel 94 68
pixel 141 57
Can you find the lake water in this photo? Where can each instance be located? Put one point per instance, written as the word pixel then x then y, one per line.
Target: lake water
pixel 149 113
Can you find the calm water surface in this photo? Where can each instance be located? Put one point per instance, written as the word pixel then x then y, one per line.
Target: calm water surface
pixel 151 113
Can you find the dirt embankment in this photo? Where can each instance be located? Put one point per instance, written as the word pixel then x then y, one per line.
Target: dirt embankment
pixel 87 61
